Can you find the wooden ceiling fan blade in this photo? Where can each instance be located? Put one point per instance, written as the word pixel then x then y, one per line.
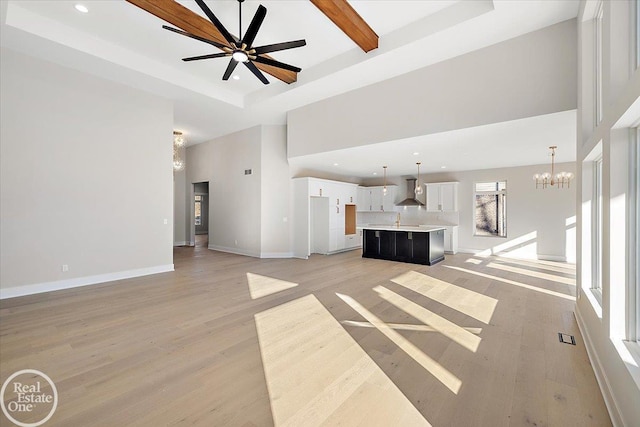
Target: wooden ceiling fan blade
pixel 278 64
pixel 250 65
pixel 211 56
pixel 179 16
pixel 279 46
pixel 232 66
pixel 256 22
pixel 227 36
pixel 193 36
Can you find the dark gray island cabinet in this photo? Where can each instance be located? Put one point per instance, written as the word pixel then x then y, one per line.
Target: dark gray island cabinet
pixel 417 245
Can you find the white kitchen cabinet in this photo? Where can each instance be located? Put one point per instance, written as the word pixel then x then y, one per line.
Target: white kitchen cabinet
pixel 364 199
pixel 442 197
pixel 317 188
pixel 352 240
pixel 389 200
pixel 451 239
pixel 373 199
pixel 319 215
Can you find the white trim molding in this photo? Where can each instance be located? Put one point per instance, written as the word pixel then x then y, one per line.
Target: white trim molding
pixel 489 252
pixel 37 288
pixel 276 255
pixel 601 377
pixel 235 251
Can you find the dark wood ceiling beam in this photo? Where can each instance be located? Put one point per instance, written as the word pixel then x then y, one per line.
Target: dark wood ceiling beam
pixel 349 21
pixel 184 18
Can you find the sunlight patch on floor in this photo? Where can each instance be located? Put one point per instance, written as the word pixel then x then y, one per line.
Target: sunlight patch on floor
pixel 404 326
pixel 531 273
pixel 440 324
pixel 317 374
pixel 543 265
pixel 466 301
pixel 261 286
pixel 513 282
pixel 452 382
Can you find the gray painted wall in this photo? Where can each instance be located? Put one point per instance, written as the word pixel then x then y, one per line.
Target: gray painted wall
pixel 86 176
pixel 530 75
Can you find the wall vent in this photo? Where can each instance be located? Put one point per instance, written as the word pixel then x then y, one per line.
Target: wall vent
pixel 248 171
pixel 566 338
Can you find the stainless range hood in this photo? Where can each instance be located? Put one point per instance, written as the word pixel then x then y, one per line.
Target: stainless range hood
pixel 411 195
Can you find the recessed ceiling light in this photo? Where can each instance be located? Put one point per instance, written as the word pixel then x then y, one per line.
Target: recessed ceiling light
pixel 416 153
pixel 81 8
pixel 443 167
pixel 335 164
pixel 236 77
pixel 375 173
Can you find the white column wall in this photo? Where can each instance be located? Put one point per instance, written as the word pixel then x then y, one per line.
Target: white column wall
pixel 604 325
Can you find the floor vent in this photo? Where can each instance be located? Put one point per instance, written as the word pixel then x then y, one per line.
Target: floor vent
pixel 566 338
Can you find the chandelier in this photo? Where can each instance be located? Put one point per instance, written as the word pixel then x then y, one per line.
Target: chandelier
pixel 178 144
pixel 559 180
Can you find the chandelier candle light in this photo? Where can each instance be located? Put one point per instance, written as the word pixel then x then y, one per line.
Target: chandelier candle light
pixel 553 179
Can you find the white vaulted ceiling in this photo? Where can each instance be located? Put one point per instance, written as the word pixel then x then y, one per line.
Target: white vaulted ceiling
pixel 121 42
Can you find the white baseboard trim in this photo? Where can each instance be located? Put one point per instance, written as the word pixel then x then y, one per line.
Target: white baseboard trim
pixel 485 252
pixel 184 243
pixel 552 258
pixel 276 255
pixel 236 251
pixel 601 377
pixel 37 288
pixel 344 250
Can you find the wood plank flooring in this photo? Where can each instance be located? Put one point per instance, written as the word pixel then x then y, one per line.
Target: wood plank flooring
pixel 333 340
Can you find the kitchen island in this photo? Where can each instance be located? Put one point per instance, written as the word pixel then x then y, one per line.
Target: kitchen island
pixel 412 244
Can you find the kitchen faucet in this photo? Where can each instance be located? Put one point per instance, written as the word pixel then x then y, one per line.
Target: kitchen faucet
pixel 398 220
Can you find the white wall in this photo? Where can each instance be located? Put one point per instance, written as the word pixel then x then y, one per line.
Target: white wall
pixel 605 324
pixel 180 231
pixel 527 76
pixel 248 214
pixel 86 178
pixel 234 198
pixel 540 223
pixel 275 224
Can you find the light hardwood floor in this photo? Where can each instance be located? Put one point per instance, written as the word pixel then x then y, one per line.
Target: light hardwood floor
pixel 227 340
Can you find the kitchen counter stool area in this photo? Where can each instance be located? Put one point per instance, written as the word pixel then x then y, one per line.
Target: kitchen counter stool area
pixel 416 245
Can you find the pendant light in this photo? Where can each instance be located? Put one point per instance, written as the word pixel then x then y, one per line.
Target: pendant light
pixel 418 190
pixel 384 189
pixel 552 179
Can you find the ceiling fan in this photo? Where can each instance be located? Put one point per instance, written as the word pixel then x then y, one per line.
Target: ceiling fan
pixel 241 49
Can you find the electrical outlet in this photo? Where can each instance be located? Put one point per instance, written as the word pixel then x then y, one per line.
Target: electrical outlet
pixel 166 221
pixel 65 268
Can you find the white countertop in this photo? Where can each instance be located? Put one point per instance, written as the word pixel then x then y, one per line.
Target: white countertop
pixel 414 228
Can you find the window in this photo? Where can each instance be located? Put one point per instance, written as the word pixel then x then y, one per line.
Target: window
pixel 634 327
pixel 491 209
pixel 596 284
pixel 198 210
pixel 599 61
pixel 637 27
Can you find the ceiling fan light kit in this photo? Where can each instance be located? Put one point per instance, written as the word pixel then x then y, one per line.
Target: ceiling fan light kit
pixel 241 49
